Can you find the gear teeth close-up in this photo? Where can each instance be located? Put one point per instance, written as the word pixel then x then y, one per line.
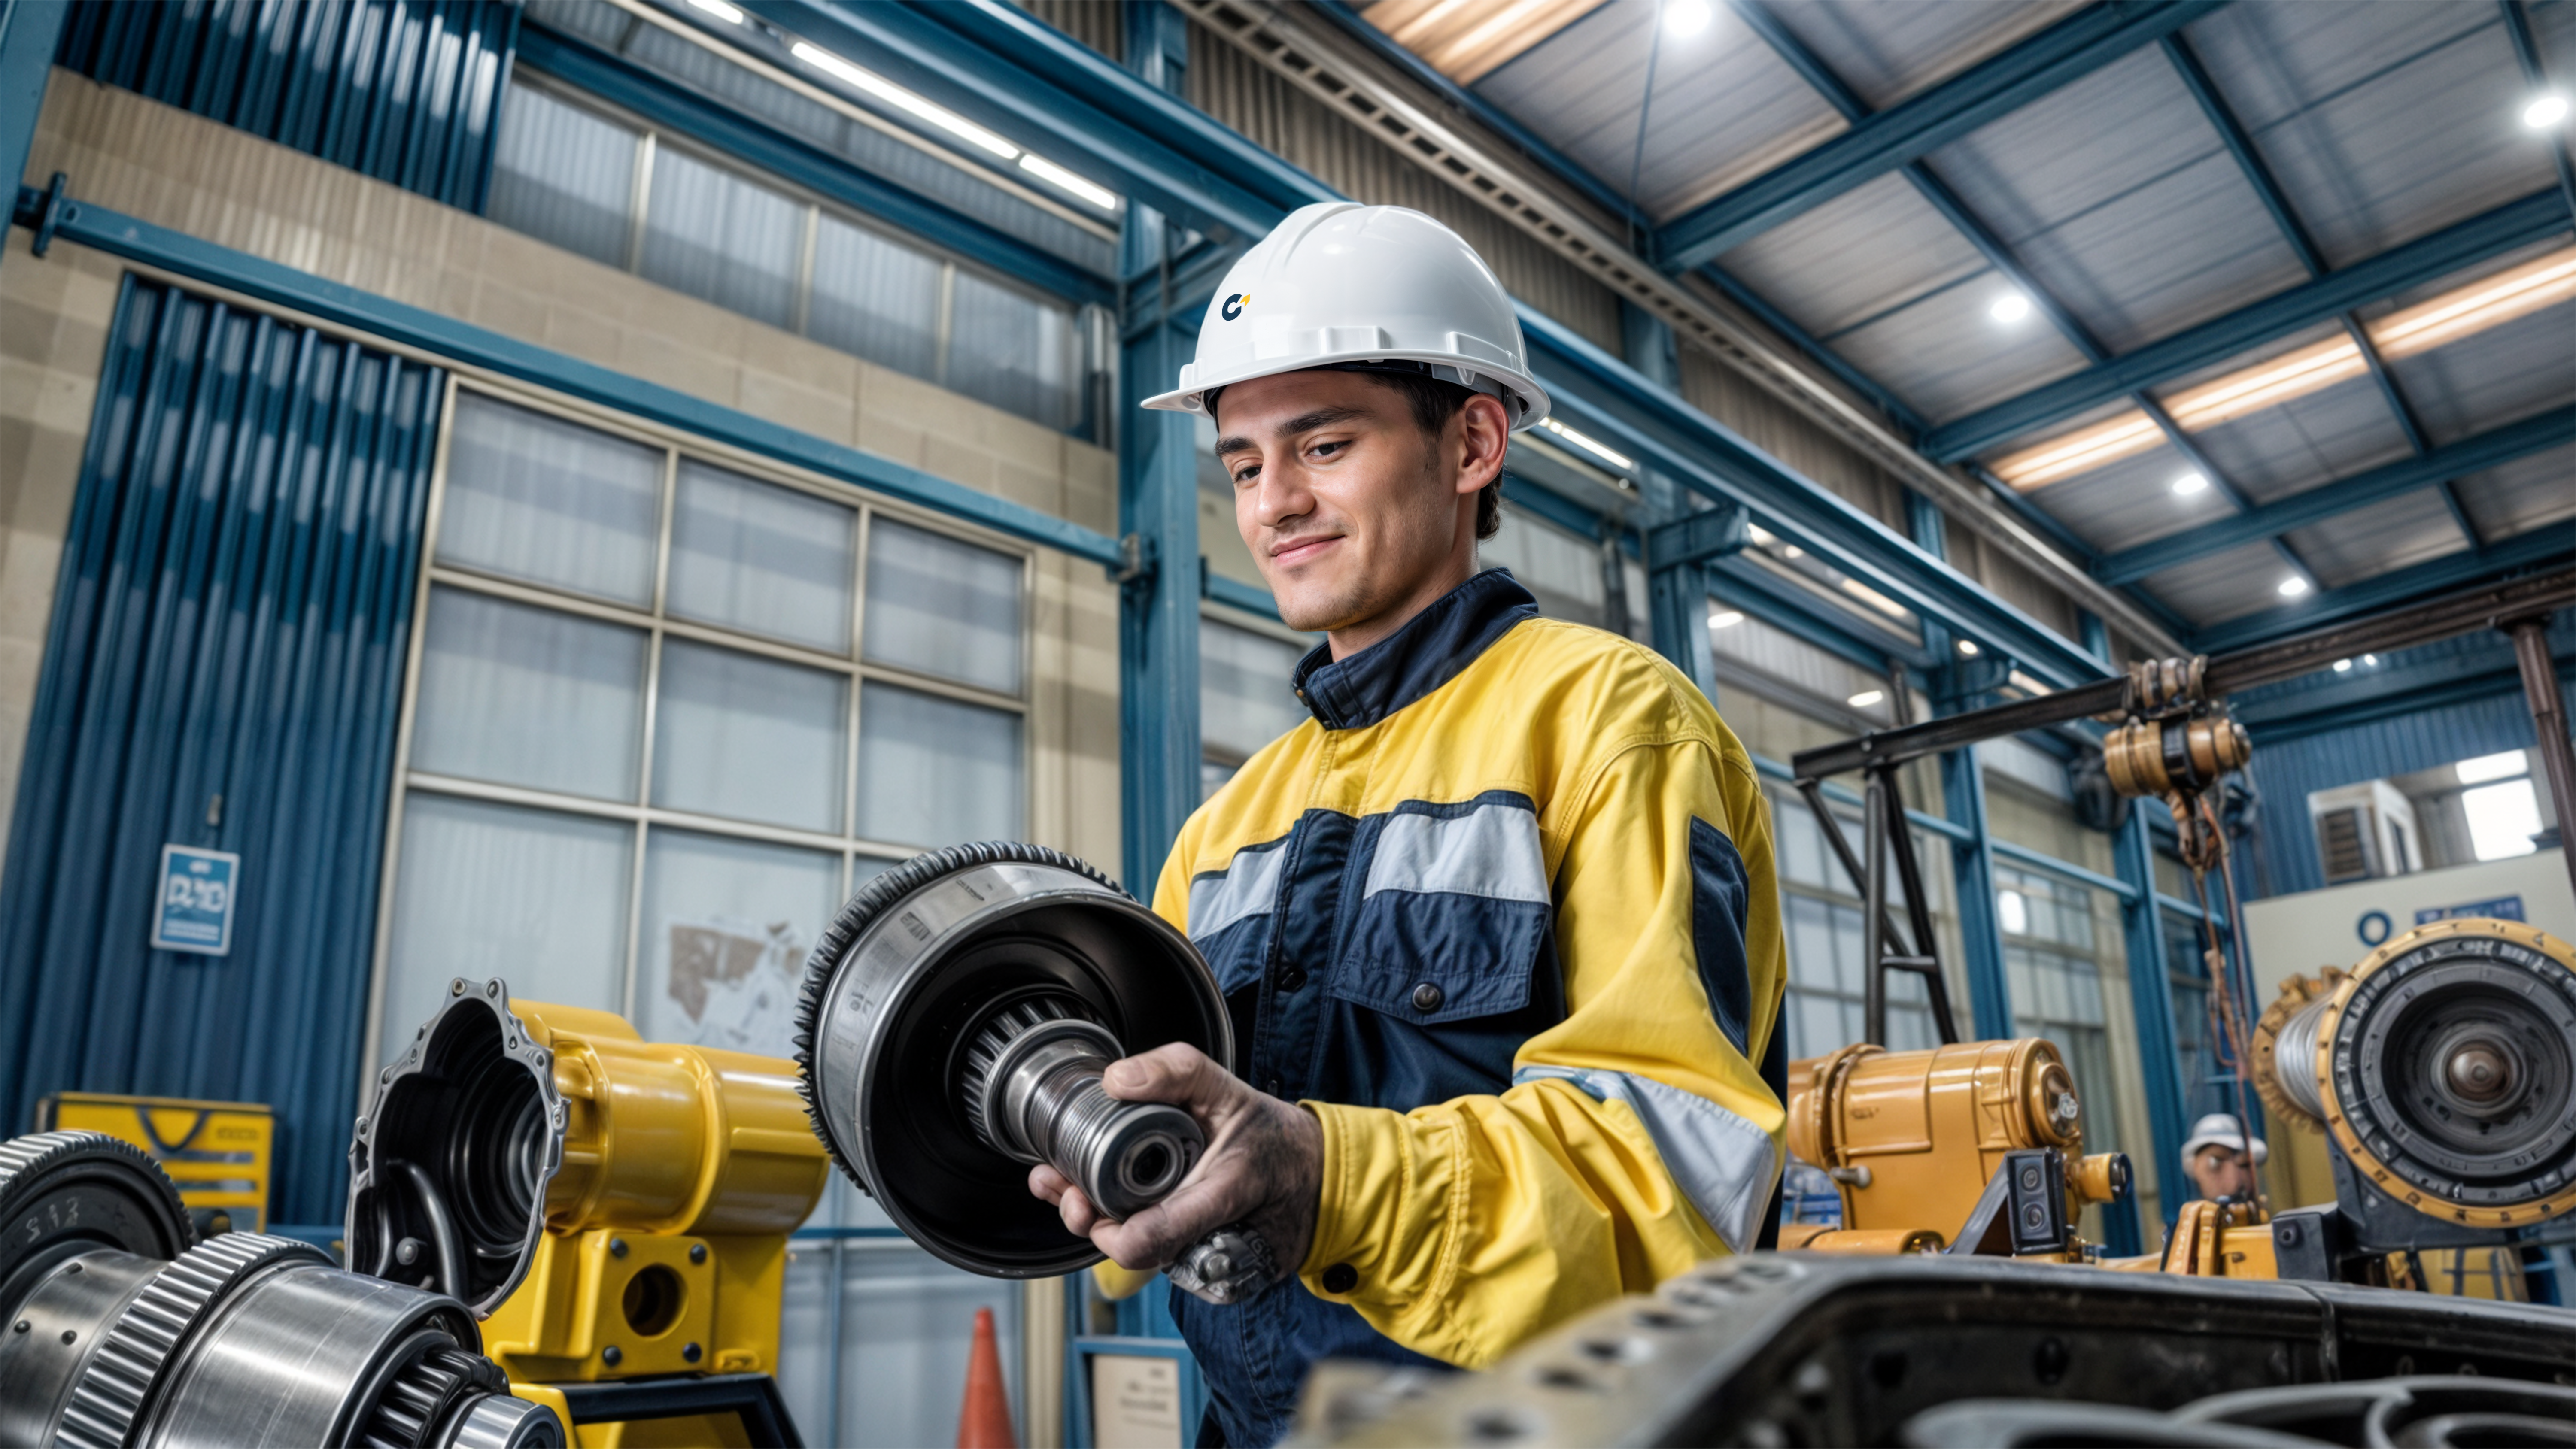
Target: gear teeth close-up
pixel 872 901
pixel 1006 1026
pixel 110 1397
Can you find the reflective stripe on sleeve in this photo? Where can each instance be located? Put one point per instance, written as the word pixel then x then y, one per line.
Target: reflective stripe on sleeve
pixel 1722 1162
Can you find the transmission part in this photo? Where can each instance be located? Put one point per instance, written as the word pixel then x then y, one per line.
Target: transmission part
pixel 119 1333
pixel 954 1025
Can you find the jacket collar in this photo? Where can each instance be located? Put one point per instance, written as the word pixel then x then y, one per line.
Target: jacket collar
pixel 1428 652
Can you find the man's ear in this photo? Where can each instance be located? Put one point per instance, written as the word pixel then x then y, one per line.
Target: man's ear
pixel 1484 436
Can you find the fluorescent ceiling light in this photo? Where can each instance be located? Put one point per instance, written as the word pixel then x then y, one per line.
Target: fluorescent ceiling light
pixel 1724 618
pixel 2190 483
pixel 1089 190
pixel 2491 767
pixel 1604 452
pixel 1686 17
pixel 2028 685
pixel 2343 666
pixel 2293 586
pixel 1968 647
pixel 1867 698
pixel 2010 307
pixel 719 9
pixel 2461 312
pixel 896 96
pixel 2545 112
pixel 2370 659
pixel 1793 551
pixel 1762 537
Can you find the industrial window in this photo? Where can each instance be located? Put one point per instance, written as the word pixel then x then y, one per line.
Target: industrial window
pixel 1245 699
pixel 1827 1005
pixel 2052 969
pixel 570 171
pixel 667 714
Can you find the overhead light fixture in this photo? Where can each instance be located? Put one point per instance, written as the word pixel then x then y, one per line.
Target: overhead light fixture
pixel 2343 666
pixel 1686 17
pixel 896 96
pixel 1793 551
pixel 1600 450
pixel 2027 685
pixel 1968 647
pixel 2545 111
pixel 2371 660
pixel 719 9
pixel 1725 618
pixel 1089 190
pixel 1867 698
pixel 2461 312
pixel 1762 537
pixel 2190 483
pixel 2010 307
pixel 2293 586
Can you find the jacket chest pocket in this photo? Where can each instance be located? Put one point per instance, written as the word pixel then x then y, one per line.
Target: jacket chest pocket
pixel 1452 913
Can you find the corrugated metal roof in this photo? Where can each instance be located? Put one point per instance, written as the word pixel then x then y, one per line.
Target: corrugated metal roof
pixel 2120 198
pixel 1725 107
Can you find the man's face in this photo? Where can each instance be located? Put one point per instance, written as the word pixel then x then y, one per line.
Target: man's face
pixel 1352 512
pixel 2222 1172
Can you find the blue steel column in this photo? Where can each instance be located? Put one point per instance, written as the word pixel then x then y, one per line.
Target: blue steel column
pixel 1158 514
pixel 29 32
pixel 1963 800
pixel 1676 598
pixel 2150 989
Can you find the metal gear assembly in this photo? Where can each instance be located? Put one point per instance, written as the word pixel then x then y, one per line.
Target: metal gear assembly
pixel 119 1333
pixel 953 1028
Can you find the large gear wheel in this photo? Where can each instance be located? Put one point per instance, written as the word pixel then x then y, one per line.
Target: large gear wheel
pixel 117 1387
pixel 953 1027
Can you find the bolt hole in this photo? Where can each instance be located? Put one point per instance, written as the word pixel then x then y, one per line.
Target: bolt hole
pixel 652 1300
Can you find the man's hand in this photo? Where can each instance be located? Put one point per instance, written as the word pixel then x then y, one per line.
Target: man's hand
pixel 1264 1163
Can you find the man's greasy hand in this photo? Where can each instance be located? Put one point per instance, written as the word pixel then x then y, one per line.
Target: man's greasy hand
pixel 1264 1163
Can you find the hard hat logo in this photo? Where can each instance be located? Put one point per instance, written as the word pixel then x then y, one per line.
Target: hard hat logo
pixel 1362 284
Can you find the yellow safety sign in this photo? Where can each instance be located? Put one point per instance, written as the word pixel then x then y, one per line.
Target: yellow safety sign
pixel 217 1152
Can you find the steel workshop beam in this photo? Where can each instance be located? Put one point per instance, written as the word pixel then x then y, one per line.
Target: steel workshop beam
pixel 1917 126
pixel 2343 495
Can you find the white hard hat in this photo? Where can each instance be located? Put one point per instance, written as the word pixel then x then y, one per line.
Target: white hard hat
pixel 2221 1129
pixel 1340 283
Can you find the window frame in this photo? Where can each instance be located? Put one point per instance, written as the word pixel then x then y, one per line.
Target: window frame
pixel 655 622
pixel 652 137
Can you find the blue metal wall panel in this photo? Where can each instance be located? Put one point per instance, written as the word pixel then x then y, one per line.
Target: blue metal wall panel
pixel 224 670
pixel 2287 773
pixel 403 90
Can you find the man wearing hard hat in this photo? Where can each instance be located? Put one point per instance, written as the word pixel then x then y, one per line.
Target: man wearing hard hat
pixel 2222 1158
pixel 1498 925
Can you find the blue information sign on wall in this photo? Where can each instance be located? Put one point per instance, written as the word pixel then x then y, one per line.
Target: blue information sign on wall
pixel 194 911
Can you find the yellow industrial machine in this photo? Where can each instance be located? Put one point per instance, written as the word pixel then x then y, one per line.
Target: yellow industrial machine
pixel 1925 1145
pixel 616 1210
pixel 217 1152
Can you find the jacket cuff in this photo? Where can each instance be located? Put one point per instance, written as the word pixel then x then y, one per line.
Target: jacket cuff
pixel 1345 1243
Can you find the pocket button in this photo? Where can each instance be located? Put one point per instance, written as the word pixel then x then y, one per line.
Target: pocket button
pixel 1428 996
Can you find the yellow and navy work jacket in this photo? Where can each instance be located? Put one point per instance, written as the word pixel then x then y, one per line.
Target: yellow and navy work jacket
pixel 1502 914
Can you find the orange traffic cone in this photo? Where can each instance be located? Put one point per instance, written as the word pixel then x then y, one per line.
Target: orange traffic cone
pixel 985 1423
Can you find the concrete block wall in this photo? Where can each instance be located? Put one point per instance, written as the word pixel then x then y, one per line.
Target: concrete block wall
pixel 226 186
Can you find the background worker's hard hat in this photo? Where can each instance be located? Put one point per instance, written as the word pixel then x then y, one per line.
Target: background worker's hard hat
pixel 2221 1129
pixel 1339 283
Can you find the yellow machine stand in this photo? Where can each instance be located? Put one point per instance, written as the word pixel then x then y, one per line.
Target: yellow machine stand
pixel 663 1249
pixel 1911 1139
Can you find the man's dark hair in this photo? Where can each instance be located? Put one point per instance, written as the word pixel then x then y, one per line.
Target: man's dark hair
pixel 1433 403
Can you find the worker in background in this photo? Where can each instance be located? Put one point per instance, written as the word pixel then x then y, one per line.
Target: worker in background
pixel 2217 1158
pixel 1497 926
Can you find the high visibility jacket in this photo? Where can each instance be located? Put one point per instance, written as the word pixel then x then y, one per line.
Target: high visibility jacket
pixel 1502 914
